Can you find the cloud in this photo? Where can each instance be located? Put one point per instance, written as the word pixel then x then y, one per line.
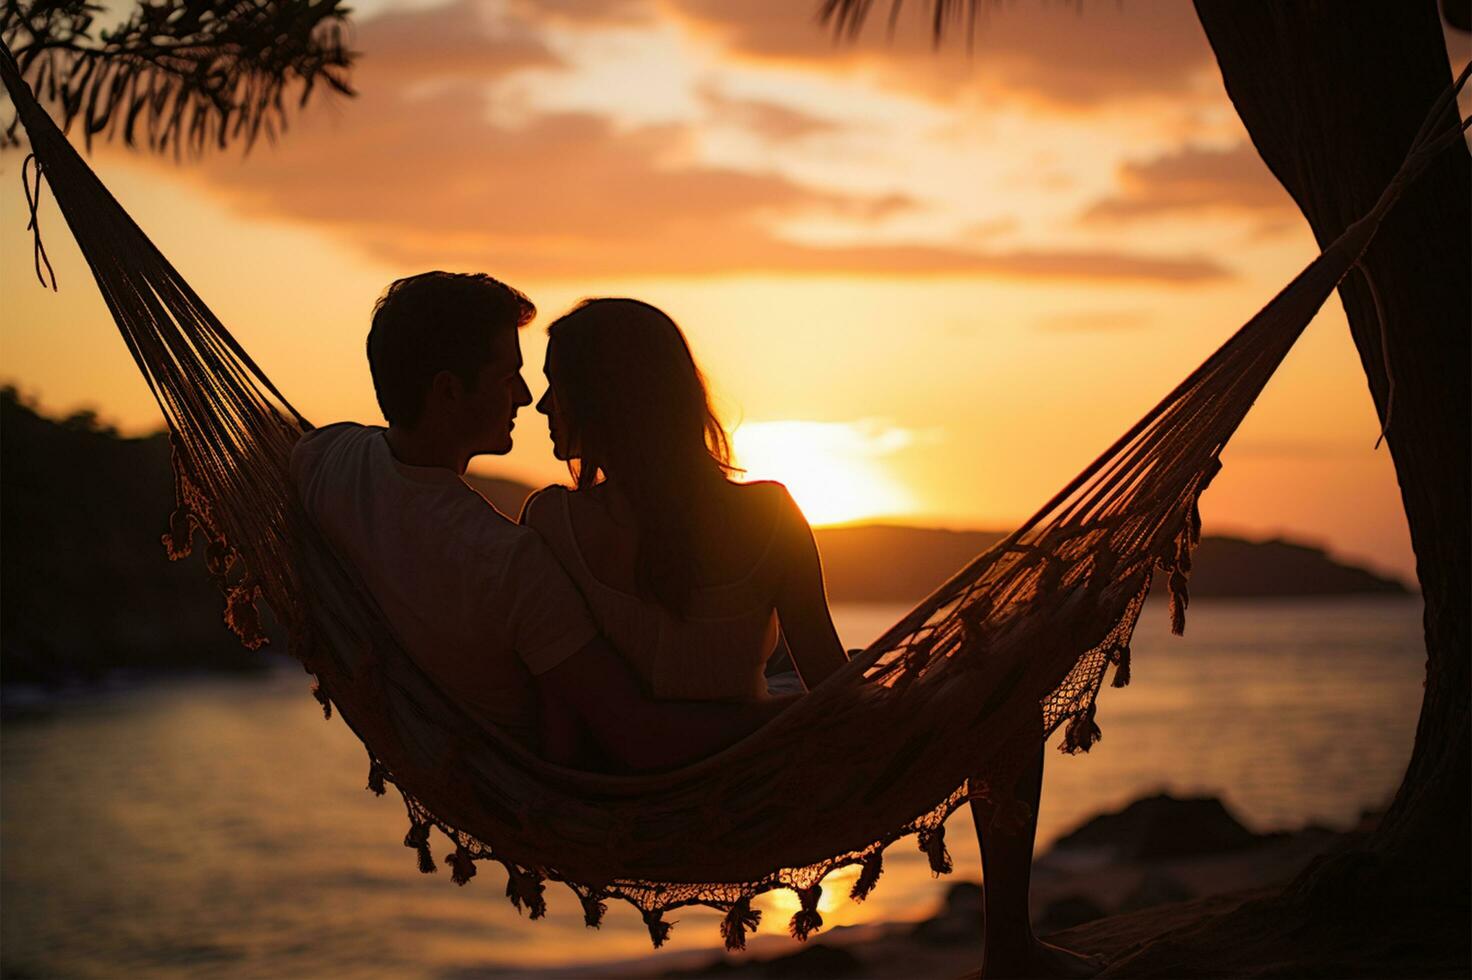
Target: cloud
pixel 457 41
pixel 588 13
pixel 1105 264
pixel 1060 55
pixel 1194 179
pixel 419 172
pixel 861 437
pixel 769 120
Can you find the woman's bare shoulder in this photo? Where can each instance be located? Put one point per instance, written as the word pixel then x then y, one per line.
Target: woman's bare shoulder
pixel 763 493
pixel 770 503
pixel 542 504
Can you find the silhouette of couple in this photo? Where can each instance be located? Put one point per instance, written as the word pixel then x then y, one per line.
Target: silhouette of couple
pixel 625 623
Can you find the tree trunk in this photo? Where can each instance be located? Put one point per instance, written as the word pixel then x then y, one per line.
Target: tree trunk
pixel 1332 95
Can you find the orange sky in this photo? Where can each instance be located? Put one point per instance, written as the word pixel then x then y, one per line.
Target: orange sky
pixel 927 285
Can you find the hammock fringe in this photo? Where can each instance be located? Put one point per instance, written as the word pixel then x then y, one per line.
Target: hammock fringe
pixel 594 908
pixel 933 846
pixel 526 890
pixel 740 919
pixel 376 777
pixel 659 930
pixel 870 870
pixel 462 865
pixel 418 839
pixel 807 920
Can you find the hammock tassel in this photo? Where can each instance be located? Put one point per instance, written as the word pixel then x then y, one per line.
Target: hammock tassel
pixel 933 843
pixel 740 919
pixel 376 778
pixel 242 616
pixel 1082 732
pixel 525 889
pixel 462 865
pixel 593 908
pixel 178 539
pixel 217 557
pixel 808 920
pixel 1180 597
pixel 871 869
pixel 418 838
pixel 323 700
pixel 659 930
pixel 1122 666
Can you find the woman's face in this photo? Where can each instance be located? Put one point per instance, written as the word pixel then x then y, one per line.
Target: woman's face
pixel 564 445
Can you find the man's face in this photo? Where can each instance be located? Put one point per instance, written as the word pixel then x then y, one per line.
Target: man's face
pixel 488 411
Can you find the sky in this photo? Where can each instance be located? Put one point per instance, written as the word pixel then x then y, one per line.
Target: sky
pixel 927 286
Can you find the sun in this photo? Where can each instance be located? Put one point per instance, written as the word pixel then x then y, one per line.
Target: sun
pixel 832 469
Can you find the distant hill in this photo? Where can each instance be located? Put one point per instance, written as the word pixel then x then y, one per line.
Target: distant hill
pixel 894 563
pixel 883 563
pixel 85 587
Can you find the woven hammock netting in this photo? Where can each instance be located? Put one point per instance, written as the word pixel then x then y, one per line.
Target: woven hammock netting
pixel 915 726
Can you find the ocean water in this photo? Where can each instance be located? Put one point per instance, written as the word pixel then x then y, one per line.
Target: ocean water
pixel 219 827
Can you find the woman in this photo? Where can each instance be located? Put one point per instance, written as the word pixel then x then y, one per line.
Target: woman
pixel 691 576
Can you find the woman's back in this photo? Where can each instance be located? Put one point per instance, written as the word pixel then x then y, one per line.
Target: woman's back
pixel 689 574
pixel 719 647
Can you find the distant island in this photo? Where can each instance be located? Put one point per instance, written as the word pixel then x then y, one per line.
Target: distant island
pixel 85 589
pixel 896 563
pixel 887 563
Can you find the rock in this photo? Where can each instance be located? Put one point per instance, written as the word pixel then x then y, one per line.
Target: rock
pixel 1158 827
pixel 959 921
pixel 1155 888
pixel 1067 912
pixel 815 961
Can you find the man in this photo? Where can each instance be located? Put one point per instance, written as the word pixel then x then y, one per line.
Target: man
pixel 479 602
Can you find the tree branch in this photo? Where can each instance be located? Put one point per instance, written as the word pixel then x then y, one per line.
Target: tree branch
pixel 178 74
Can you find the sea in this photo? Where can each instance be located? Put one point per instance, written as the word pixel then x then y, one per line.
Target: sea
pixel 219 827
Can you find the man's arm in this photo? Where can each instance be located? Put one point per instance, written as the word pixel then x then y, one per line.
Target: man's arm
pixel 634 731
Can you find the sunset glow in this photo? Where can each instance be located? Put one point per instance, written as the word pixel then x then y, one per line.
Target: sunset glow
pixel 832 469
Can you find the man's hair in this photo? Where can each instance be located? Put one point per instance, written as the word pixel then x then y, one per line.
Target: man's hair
pixel 433 322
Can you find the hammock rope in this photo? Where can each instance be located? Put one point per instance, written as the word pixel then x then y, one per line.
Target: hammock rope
pixel 915 726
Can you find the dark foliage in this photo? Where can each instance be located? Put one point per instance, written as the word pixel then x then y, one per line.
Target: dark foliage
pixel 847 17
pixel 178 75
pixel 85 588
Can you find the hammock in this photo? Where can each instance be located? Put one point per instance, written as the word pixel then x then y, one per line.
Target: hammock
pixel 911 729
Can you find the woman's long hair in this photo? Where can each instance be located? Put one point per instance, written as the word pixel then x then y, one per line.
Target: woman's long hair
pixel 635 406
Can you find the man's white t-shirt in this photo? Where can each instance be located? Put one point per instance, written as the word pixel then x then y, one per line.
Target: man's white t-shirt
pixel 478 601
